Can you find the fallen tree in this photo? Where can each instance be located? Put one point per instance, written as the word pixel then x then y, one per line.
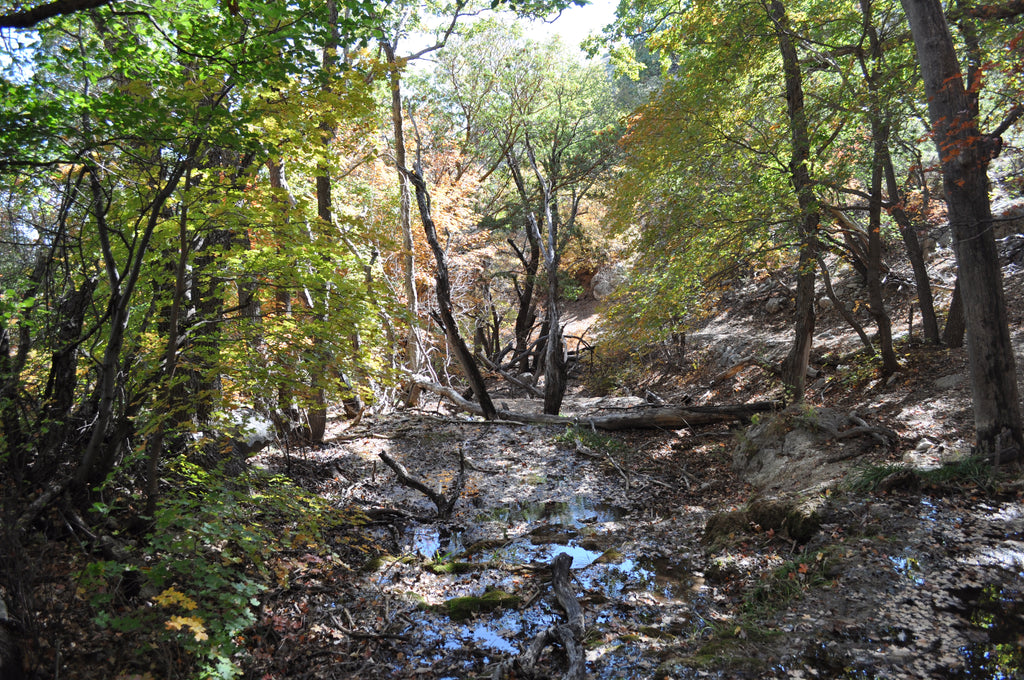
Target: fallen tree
pixel 569 634
pixel 445 504
pixel 667 417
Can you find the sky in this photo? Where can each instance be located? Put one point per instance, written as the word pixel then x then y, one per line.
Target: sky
pixel 576 23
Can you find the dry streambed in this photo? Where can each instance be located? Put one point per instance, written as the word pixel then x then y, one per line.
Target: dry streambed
pixel 889 587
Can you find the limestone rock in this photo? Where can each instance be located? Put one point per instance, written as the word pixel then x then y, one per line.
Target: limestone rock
pixel 607 279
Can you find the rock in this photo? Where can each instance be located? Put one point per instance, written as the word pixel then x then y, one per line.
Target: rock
pixel 775 305
pixel 607 279
pixel 948 382
pixel 796 449
pixel 825 304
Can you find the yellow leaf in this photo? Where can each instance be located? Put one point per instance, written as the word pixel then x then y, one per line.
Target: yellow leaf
pixel 193 624
pixel 172 597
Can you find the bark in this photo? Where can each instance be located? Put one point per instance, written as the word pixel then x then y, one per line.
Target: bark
pixel 841 308
pixel 444 299
pixel 155 445
pixel 444 504
pixel 568 634
pixel 526 314
pixel 30 17
pixel 122 288
pixel 956 327
pixel 880 141
pixel 795 372
pixel 965 153
pixel 10 647
pixel 876 303
pixel 915 253
pixel 412 348
pixel 554 350
pixel 316 417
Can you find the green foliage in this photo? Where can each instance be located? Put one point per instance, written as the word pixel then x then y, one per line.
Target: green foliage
pixel 866 478
pixel 211 553
pixel 788 582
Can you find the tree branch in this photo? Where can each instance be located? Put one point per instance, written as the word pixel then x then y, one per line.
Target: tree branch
pixel 30 17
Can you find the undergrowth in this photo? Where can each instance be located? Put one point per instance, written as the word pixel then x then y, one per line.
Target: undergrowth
pixel 787 582
pixel 592 439
pixel 966 472
pixel 190 589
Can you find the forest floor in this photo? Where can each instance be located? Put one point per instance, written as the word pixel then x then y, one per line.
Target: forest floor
pixel 923 579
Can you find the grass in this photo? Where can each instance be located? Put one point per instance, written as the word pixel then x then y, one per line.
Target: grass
pixel 599 442
pixel 966 472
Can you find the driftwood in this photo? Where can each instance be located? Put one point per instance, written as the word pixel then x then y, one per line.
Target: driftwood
pixel 568 634
pixel 667 417
pixel 444 504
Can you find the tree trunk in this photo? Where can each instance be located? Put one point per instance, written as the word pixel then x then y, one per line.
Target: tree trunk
pixel 795 371
pixel 876 301
pixel 880 141
pixel 965 154
pixel 554 352
pixel 444 299
pixel 412 349
pixel 956 326
pixel 122 283
pixel 915 253
pixel 526 314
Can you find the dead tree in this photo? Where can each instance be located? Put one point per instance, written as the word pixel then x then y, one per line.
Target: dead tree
pixel 444 296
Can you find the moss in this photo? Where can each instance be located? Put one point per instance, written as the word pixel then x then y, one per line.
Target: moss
pixel 460 608
pixel 416 599
pixel 610 556
pixel 440 568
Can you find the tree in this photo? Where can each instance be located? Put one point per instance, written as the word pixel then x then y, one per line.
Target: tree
pixel 550 122
pixel 144 130
pixel 965 153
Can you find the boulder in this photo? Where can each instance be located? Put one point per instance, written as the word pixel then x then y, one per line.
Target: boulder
pixel 798 449
pixel 607 279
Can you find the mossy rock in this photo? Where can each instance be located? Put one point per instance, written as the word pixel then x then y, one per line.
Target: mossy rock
pixel 461 608
pixel 485 545
pixel 722 527
pixel 592 543
pixel 441 568
pixel 796 518
pixel 415 598
pixel 610 556
pixel 656 633
pixel 722 569
pixel 552 534
pixel 377 563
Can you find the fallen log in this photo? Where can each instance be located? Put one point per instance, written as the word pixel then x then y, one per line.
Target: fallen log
pixel 569 634
pixel 666 417
pixel 444 504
